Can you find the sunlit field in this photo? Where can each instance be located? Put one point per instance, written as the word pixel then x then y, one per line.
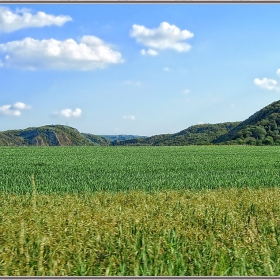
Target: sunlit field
pixel 115 169
pixel 140 211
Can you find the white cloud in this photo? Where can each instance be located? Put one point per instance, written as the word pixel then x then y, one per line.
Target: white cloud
pixel 6 110
pixel 186 91
pixel 149 52
pixel 166 36
pixel 1 63
pixel 68 113
pixel 278 72
pixel 33 54
pixel 132 118
pixel 166 69
pixel 22 18
pixel 21 106
pixel 265 83
pixel 13 110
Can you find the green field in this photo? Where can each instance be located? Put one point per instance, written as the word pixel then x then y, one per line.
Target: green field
pixel 208 210
pixel 87 169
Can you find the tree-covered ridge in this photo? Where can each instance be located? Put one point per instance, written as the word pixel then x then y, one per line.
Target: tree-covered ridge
pixel 201 134
pixel 49 135
pixel 98 140
pixel 262 128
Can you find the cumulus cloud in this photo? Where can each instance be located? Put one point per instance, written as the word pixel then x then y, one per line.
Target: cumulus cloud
pixel 186 91
pixel 278 72
pixel 265 83
pixel 166 36
pixel 22 18
pixel 149 52
pixel 21 106
pixel 68 113
pixel 166 69
pixel 33 54
pixel 7 110
pixel 132 118
pixel 13 110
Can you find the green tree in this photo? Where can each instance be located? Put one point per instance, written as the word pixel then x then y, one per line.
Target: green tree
pixel 268 140
pixel 250 141
pixel 258 132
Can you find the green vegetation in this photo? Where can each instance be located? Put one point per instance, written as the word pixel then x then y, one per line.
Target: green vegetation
pixel 97 140
pixel 194 210
pixel 201 134
pixel 83 169
pixel 260 129
pixel 50 135
pixel 121 137
pixel 214 232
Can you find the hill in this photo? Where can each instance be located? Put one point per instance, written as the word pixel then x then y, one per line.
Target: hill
pixel 120 137
pixel 262 128
pixel 201 134
pixel 50 135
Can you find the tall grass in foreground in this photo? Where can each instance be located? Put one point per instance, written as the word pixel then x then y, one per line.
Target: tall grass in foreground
pixel 214 232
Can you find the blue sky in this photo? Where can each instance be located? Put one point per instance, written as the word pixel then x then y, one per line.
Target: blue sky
pixel 141 69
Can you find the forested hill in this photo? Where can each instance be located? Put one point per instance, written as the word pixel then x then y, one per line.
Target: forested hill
pixel 262 128
pixel 50 135
pixel 201 134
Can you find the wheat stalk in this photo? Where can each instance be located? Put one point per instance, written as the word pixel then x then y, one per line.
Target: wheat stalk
pixel 33 192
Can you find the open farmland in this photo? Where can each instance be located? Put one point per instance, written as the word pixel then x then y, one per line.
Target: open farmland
pixel 140 211
pixel 89 169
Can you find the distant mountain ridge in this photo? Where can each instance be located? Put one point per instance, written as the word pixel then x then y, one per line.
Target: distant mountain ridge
pixel 262 128
pixel 120 137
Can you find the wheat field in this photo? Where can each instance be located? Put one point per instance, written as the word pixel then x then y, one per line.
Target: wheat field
pixel 161 231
